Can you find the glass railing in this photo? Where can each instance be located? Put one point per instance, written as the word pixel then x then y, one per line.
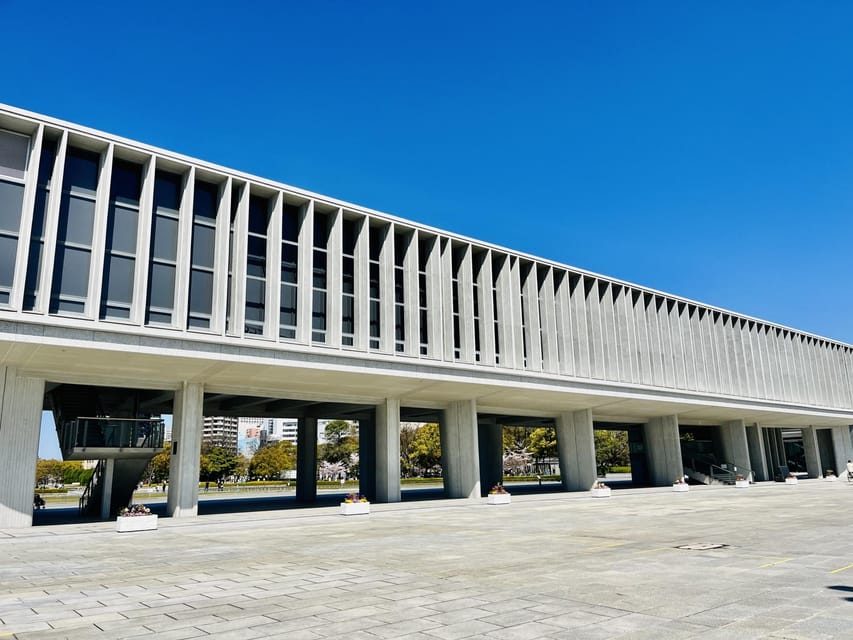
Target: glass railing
pixel 125 433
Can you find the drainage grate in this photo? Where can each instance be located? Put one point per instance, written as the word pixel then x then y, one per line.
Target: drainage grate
pixel 702 546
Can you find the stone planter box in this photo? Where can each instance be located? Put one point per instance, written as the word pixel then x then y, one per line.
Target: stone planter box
pixel 127 524
pixel 742 484
pixel 600 493
pixel 830 478
pixel 499 498
pixel 680 488
pixel 791 481
pixel 355 508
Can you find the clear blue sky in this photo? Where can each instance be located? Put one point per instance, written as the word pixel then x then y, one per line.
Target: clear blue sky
pixel 704 149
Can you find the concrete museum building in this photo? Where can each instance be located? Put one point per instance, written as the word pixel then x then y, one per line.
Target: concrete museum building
pixel 136 282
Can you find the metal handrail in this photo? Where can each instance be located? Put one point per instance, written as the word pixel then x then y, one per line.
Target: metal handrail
pixel 724 471
pixel 88 492
pixel 122 433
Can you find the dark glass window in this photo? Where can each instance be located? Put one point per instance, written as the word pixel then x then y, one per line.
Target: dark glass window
pixel 34 262
pixel 256 265
pixel 205 202
pixel 289 271
pixel 74 235
pixel 164 247
pixel 120 253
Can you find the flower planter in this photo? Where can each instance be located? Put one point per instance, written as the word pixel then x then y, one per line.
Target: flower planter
pixel 126 524
pixel 742 484
pixel 603 492
pixel 680 487
pixel 499 498
pixel 831 478
pixel 791 481
pixel 355 508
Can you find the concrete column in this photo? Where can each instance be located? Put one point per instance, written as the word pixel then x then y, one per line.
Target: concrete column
pixel 490 445
pixel 459 460
pixel 20 423
pixel 107 484
pixel 664 450
pixel 735 444
pixel 576 449
pixel 306 460
pixel 187 423
pixel 813 462
pixel 757 457
pixel 367 458
pixel 388 451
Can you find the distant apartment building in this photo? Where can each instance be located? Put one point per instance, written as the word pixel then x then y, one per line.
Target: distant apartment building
pixel 219 431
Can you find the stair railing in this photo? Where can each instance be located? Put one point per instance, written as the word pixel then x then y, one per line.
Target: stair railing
pixel 91 487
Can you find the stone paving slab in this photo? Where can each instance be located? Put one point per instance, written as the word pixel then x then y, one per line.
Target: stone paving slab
pixel 550 566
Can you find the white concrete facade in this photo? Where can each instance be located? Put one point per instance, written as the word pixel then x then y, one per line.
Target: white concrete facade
pixel 199 279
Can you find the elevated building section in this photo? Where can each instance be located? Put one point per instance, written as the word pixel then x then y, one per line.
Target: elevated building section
pixel 130 266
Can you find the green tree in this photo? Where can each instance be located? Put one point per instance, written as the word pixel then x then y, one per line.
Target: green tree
pixel 542 443
pixel 407 436
pixel 158 469
pixel 516 438
pixel 425 449
pixel 611 450
pixel 273 460
pixel 49 471
pixel 341 442
pixel 217 463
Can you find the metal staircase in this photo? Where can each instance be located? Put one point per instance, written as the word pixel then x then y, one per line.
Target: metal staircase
pixel 706 470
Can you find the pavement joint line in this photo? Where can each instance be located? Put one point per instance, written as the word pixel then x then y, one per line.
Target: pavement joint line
pixel 778 562
pixel 653 550
pixel 842 569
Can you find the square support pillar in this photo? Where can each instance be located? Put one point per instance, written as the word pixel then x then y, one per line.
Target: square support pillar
pixel 843 449
pixel 367 458
pixel 736 445
pixel 491 450
pixel 184 467
pixel 757 455
pixel 306 460
pixel 20 426
pixel 107 484
pixel 576 449
pixel 664 450
pixel 459 459
pixel 810 448
pixel 388 451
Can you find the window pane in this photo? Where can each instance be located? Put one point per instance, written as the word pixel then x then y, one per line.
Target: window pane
pixel 204 202
pixel 11 202
pixel 321 230
pixel 167 192
pixel 203 243
pixel 126 182
pixel 118 279
pixel 81 172
pixel 121 230
pixel 165 240
pixel 162 286
pixel 255 291
pixel 290 223
pixel 13 154
pixel 201 292
pixel 8 246
pixel 71 274
pixel 76 219
pixel 320 269
pixel 318 314
pixel 258 215
pixel 289 255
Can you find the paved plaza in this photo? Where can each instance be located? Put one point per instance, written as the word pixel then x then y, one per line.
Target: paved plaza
pixel 547 566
